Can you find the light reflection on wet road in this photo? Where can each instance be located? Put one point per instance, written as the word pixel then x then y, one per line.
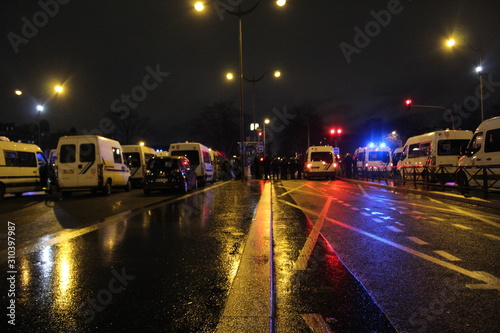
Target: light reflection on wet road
pixel 171 266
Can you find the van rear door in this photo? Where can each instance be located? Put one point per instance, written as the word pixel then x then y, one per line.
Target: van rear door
pixel 76 164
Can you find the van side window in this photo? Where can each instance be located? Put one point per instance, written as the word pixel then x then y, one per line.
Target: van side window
pixel 10 158
pixel 414 151
pixel 492 142
pixel 26 159
pixel 117 155
pixel 68 154
pixel 41 159
pixel 87 152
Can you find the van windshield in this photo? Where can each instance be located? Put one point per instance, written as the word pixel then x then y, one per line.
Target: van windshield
pixel 450 147
pixel 134 159
pixel 379 156
pixel 322 156
pixel 192 155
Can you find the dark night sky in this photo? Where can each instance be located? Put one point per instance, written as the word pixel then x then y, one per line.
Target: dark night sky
pixel 101 50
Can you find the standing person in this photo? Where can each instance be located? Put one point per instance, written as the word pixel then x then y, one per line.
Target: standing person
pixel 275 166
pixel 347 163
pixel 267 167
pixel 284 168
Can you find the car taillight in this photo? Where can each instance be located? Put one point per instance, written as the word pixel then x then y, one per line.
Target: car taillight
pixel 334 165
pixel 309 165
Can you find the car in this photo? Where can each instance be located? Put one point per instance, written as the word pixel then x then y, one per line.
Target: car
pixel 169 173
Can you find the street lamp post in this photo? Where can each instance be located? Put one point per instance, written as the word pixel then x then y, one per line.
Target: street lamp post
pixel 199 7
pixel 266 121
pixel 479 70
pixel 253 80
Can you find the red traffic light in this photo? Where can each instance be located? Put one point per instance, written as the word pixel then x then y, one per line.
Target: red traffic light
pixel 335 131
pixel 408 102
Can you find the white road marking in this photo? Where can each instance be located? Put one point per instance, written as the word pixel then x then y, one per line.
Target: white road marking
pixel 316 323
pixel 417 240
pixel 461 226
pixel 363 190
pixel 390 227
pixel 378 220
pixel 490 281
pixel 307 249
pixel 447 255
pixel 492 236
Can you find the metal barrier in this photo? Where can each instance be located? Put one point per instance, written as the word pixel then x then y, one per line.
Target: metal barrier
pixel 483 178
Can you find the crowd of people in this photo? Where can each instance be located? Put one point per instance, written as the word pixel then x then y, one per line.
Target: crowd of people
pixel 277 167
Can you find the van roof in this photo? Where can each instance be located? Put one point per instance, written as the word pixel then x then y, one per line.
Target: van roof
pixel 492 122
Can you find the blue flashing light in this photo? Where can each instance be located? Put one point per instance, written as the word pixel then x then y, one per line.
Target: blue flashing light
pixel 371 145
pixel 382 145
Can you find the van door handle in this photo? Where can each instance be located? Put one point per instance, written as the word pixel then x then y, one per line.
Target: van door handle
pixel 478 159
pixel 488 159
pixel 79 166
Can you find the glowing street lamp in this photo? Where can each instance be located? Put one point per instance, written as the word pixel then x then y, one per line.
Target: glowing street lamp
pixel 240 13
pixel 266 122
pixel 58 89
pixel 479 70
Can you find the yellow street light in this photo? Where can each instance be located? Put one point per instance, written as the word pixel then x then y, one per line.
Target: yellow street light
pixel 229 76
pixel 199 6
pixel 58 89
pixel 450 42
pixel 277 73
pixel 281 3
pixel 18 92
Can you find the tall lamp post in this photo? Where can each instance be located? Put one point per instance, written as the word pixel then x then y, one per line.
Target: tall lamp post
pixel 266 122
pixel 240 13
pixel 479 70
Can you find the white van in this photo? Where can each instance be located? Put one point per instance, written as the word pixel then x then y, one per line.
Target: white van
pixel 483 150
pixel 90 162
pixel 373 158
pixel 320 162
pixel 437 150
pixel 137 156
pixel 23 168
pixel 199 157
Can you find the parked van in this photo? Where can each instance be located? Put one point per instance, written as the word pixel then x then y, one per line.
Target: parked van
pixel 23 168
pixel 437 150
pixel 320 162
pixel 90 162
pixel 483 150
pixel 199 157
pixel 137 157
pixel 373 158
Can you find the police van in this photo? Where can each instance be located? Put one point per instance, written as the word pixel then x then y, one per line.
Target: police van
pixel 90 163
pixel 23 168
pixel 373 158
pixel 483 151
pixel 199 157
pixel 320 162
pixel 137 157
pixel 438 151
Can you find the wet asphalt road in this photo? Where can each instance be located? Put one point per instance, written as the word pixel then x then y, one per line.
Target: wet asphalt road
pixel 171 263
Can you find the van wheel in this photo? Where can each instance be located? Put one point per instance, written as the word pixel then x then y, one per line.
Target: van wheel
pixel 107 188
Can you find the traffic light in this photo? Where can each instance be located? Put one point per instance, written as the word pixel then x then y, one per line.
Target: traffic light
pixel 336 131
pixel 408 104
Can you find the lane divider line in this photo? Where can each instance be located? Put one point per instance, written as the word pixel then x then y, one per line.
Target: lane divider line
pixel 316 323
pixel 491 282
pixel 447 256
pixel 307 249
pixel 247 304
pixel 417 240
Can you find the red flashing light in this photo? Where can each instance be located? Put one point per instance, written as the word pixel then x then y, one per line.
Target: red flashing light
pixel 408 102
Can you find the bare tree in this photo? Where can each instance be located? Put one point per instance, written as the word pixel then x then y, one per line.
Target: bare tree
pixel 217 126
